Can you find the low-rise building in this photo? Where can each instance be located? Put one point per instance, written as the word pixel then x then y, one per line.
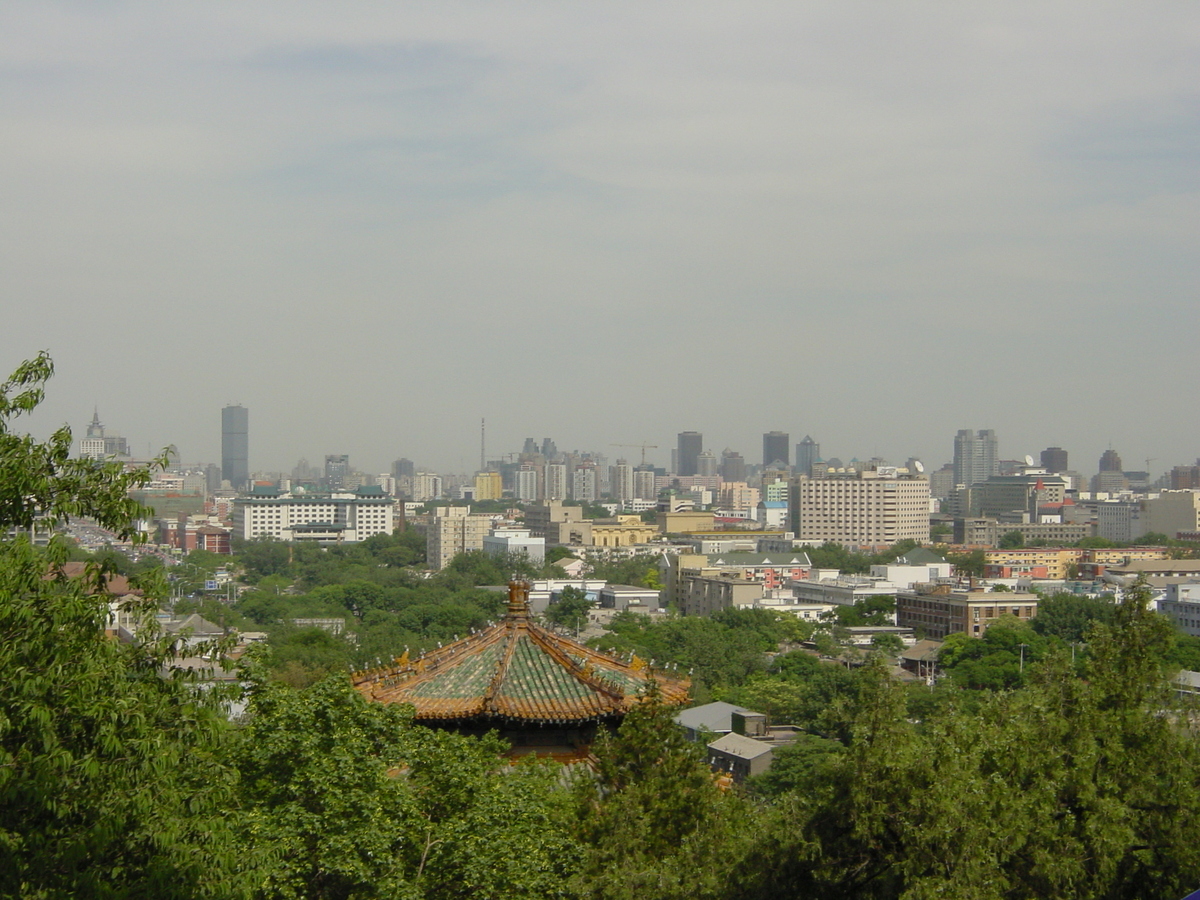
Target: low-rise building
pixel 629 597
pixel 1181 604
pixel 516 542
pixel 937 611
pixel 704 595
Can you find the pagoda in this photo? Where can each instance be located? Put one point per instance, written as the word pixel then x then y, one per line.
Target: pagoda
pixel 544 693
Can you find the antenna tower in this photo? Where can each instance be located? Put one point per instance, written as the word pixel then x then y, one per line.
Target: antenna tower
pixel 482 445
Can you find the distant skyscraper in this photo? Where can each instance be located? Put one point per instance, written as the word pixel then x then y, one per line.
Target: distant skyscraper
pixel 621 480
pixel 706 463
pixel 98 445
pixel 235 446
pixel 403 468
pixel 337 467
pixel 1054 459
pixel 976 456
pixel 808 452
pixel 555 485
pixel 776 445
pixel 549 450
pixel 1110 461
pixel 530 447
pixel 691 444
pixel 527 483
pixel 733 466
pixel 643 483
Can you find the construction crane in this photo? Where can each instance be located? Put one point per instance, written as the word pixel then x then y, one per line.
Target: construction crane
pixel 644 447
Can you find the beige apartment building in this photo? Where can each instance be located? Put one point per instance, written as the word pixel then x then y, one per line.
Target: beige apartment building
pixel 874 507
pixel 1055 562
pixel 1172 512
pixel 453 530
pixel 938 611
pixel 706 594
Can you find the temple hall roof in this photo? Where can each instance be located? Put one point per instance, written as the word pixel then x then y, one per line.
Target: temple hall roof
pixel 517 671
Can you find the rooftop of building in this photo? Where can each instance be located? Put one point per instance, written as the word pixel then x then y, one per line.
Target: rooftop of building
pixel 517 671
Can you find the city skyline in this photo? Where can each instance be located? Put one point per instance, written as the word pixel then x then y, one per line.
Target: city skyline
pixel 374 226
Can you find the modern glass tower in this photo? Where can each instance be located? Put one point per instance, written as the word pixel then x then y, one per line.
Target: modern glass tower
pixel 776 447
pixel 808 452
pixel 691 444
pixel 235 446
pixel 976 456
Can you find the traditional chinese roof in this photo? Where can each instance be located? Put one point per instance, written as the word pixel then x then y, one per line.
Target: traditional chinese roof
pixel 517 671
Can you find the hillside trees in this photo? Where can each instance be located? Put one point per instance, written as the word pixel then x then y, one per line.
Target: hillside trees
pixel 110 775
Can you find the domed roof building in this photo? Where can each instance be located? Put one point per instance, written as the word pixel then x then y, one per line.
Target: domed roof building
pixel 541 691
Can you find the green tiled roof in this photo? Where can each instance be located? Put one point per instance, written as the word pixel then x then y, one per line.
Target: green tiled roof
pixel 516 670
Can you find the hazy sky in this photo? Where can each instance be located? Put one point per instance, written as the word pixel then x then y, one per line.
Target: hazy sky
pixel 373 224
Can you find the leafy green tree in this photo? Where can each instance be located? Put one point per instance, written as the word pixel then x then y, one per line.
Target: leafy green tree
pixel 571 609
pixel 887 644
pixel 1070 617
pixel 653 822
pixel 796 766
pixel 346 798
pixel 1011 540
pixel 111 779
pixel 263 556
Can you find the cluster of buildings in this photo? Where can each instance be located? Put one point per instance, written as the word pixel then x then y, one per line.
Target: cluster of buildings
pixel 730 531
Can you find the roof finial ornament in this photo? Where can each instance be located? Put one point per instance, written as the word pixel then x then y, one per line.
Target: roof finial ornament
pixel 518 598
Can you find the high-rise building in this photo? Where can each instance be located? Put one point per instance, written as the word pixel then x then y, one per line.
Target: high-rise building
pixel 775 448
pixel 644 485
pixel 488 486
pixel 583 484
pixel 808 452
pixel 706 463
pixel 691 445
pixel 426 486
pixel 733 466
pixel 976 456
pixel 860 509
pixel 1110 461
pixel 527 483
pixel 555 486
pixel 98 445
pixel 235 446
pixel 1054 460
pixel 622 481
pixel 549 450
pixel 403 468
pixel 337 468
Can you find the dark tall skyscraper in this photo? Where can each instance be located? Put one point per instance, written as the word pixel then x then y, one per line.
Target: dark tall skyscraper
pixel 733 466
pixel 1054 459
pixel 691 444
pixel 403 468
pixel 337 467
pixel 1110 461
pixel 976 456
pixel 776 445
pixel 235 446
pixel 808 452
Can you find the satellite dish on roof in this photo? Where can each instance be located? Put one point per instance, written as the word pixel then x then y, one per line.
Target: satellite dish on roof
pixel 918 465
pixel 1028 460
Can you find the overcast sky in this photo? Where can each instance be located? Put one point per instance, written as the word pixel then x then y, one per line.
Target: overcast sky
pixel 374 224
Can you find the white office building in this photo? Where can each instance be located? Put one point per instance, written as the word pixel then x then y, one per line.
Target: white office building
pixel 343 516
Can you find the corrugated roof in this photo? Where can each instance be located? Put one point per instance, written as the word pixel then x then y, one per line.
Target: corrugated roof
pixel 517 671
